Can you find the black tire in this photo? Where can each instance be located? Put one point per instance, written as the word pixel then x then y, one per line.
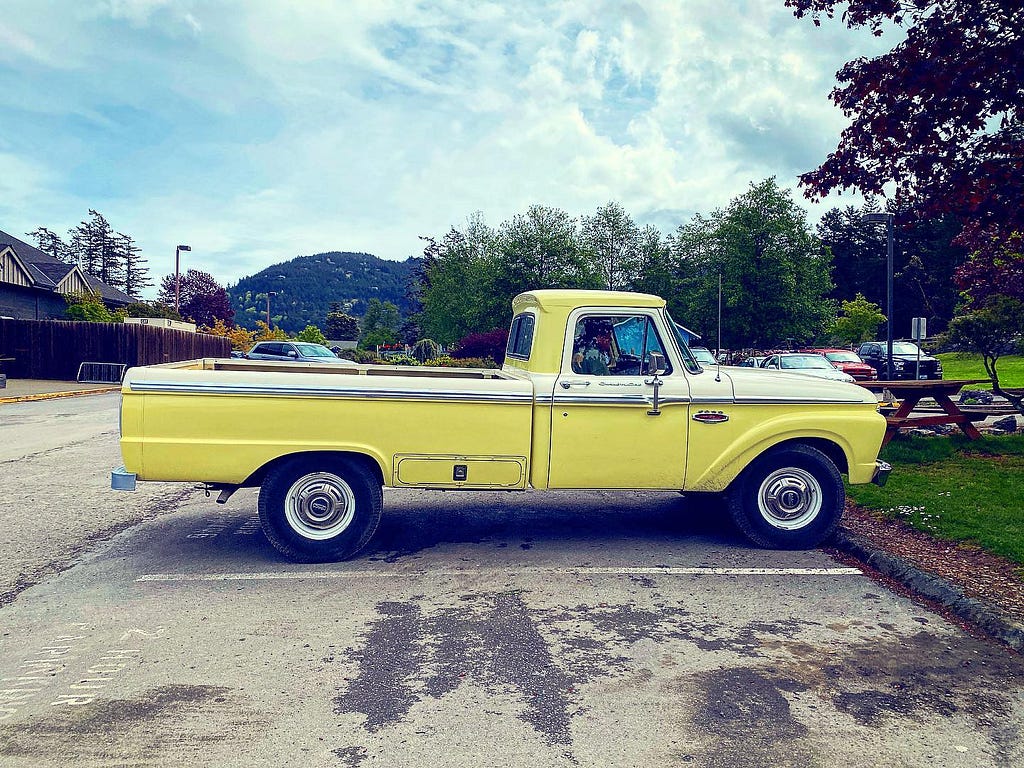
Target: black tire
pixel 320 509
pixel 790 497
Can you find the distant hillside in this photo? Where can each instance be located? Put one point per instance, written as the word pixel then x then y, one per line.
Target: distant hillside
pixel 307 285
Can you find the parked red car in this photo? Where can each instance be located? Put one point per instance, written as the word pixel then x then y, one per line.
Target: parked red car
pixel 847 362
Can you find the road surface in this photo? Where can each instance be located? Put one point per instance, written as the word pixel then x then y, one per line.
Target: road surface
pixel 575 629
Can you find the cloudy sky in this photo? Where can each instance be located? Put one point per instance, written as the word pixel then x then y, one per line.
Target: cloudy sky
pixel 257 130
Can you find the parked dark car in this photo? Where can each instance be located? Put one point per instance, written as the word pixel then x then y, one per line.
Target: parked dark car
pixel 299 351
pixel 904 360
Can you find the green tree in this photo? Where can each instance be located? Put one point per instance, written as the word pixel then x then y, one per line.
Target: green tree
pixel 380 324
pixel 858 321
pixel 925 261
pixel 612 240
pixel 774 273
pixel 456 282
pixel 655 272
pixel 312 335
pixel 341 326
pixel 991 330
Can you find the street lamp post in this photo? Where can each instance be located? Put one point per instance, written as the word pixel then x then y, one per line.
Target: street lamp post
pixel 177 274
pixel 269 294
pixel 887 218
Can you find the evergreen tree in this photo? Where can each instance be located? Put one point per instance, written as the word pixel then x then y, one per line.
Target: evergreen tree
pixel 135 271
pixel 51 243
pixel 341 326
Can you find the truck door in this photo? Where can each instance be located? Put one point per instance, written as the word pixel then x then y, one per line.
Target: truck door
pixel 604 430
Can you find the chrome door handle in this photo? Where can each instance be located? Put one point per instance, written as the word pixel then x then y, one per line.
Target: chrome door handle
pixel 567 384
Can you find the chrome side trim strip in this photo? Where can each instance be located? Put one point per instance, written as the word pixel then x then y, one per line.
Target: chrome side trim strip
pixel 773 401
pixel 613 400
pixel 175 387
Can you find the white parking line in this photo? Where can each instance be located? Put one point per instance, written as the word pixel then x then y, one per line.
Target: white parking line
pixel 527 571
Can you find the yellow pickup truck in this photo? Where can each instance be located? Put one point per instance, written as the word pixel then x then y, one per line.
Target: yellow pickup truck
pixel 598 391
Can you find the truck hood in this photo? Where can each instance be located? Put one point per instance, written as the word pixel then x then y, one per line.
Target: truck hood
pixel 758 385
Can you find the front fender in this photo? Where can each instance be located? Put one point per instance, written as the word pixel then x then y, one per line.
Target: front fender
pixel 718 453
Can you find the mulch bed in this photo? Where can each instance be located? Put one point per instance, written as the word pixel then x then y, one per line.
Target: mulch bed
pixel 981 575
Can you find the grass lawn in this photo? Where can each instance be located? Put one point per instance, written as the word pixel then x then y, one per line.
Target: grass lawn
pixel 959 365
pixel 955 488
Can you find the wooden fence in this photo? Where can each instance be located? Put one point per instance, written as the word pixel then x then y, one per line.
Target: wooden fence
pixel 53 349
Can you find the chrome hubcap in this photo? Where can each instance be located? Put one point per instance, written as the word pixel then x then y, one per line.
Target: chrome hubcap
pixel 789 498
pixel 319 505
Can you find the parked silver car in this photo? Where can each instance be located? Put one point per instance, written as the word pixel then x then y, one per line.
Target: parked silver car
pixel 810 365
pixel 298 351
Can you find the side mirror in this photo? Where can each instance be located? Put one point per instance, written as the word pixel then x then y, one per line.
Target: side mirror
pixel 655 363
pixel 292 353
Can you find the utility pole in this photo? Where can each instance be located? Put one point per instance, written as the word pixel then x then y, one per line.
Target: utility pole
pixel 269 294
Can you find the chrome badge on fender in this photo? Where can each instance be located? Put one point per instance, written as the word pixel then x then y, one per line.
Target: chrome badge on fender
pixel 710 417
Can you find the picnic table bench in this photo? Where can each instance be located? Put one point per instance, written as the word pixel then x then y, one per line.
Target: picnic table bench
pixel 910 393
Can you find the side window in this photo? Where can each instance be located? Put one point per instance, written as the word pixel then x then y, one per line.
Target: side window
pixel 615 345
pixel 272 349
pixel 520 337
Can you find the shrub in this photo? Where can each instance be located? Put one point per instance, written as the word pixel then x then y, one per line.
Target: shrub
pixel 425 349
pixel 447 361
pixel 360 355
pixel 400 360
pixel 491 344
pixel 87 306
pixel 240 338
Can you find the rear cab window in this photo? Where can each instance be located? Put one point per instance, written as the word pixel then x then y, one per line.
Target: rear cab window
pixel 520 337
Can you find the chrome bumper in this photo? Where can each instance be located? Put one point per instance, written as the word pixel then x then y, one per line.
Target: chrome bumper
pixel 882 470
pixel 122 480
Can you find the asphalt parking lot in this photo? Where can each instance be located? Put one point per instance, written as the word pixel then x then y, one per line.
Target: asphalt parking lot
pixel 476 630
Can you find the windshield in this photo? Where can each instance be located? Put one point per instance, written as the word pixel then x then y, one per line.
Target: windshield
pixel 805 361
pixel 684 348
pixel 904 348
pixel 314 350
pixel 842 357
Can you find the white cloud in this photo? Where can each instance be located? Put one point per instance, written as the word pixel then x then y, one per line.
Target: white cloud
pixel 262 129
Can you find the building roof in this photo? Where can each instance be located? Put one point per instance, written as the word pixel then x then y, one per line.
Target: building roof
pixel 47 271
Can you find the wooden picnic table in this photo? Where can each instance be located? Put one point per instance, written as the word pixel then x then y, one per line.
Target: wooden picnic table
pixel 910 393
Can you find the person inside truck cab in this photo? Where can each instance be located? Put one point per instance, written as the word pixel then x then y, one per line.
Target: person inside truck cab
pixel 592 348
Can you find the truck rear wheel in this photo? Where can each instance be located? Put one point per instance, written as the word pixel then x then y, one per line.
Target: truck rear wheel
pixel 314 510
pixel 791 497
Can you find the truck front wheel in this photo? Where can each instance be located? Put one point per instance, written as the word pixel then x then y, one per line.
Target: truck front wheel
pixel 314 510
pixel 790 497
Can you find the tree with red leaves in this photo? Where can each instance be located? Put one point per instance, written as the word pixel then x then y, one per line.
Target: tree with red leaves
pixel 938 119
pixel 202 298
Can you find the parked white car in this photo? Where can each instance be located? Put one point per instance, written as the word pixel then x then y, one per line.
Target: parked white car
pixel 810 365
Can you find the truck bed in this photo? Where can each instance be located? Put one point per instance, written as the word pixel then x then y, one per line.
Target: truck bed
pixel 224 421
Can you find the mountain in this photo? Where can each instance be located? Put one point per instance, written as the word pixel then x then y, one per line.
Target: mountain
pixel 306 286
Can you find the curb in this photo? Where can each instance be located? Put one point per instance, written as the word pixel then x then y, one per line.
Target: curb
pixel 53 395
pixel 988 619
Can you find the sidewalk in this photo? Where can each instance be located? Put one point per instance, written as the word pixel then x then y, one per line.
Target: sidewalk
pixel 21 390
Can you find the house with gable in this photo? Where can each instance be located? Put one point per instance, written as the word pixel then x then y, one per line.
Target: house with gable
pixel 33 283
